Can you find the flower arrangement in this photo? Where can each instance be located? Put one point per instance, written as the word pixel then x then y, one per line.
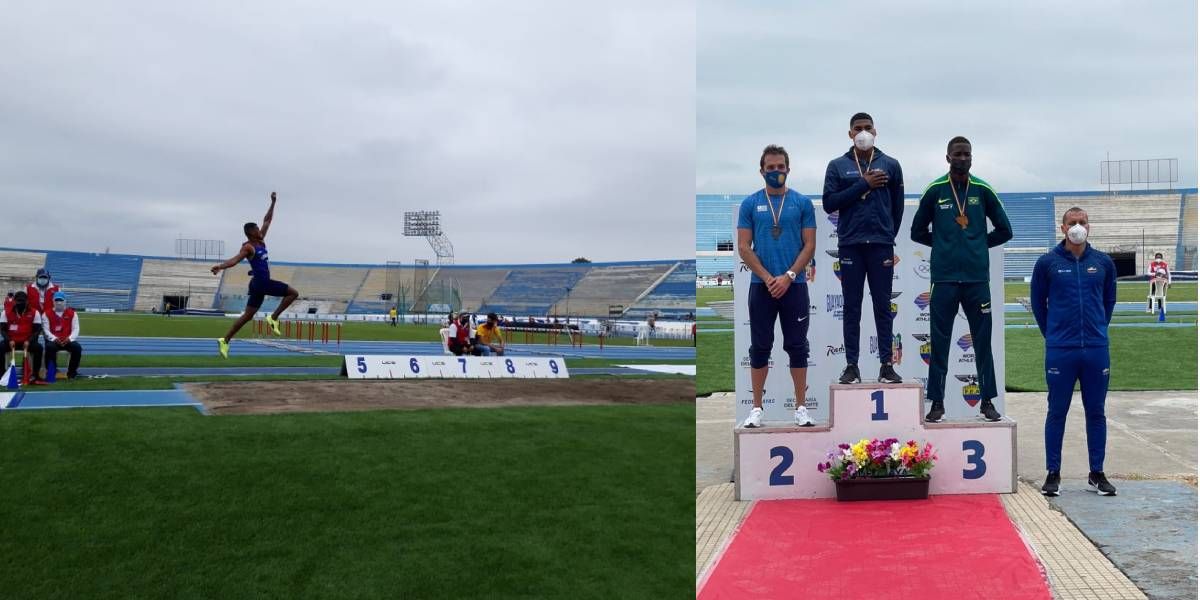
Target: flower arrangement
pixel 878 458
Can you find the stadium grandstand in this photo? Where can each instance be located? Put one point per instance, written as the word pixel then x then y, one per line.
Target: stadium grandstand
pixel 1128 225
pixel 122 282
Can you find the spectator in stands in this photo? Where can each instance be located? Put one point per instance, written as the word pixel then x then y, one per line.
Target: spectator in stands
pixel 489 338
pixel 1073 292
pixel 959 270
pixel 392 314
pixel 62 334
pixel 20 327
pixel 8 299
pixel 460 336
pixel 777 233
pixel 866 188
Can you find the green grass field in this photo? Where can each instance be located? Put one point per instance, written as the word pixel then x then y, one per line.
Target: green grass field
pixel 1126 292
pixel 713 294
pixel 1132 351
pixel 562 502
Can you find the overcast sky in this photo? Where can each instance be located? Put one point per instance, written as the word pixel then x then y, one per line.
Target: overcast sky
pixel 1042 89
pixel 542 131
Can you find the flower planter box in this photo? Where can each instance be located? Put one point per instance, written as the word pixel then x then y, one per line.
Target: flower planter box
pixel 883 488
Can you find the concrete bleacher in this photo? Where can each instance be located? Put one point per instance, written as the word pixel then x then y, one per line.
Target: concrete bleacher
pixel 674 296
pixel 368 299
pixel 336 285
pixel 1185 250
pixel 166 277
pixel 96 281
pixel 710 265
pixel 534 291
pixel 1149 220
pixel 17 269
pixel 474 285
pixel 603 287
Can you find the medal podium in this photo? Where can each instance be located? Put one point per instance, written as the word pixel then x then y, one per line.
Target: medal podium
pixel 780 462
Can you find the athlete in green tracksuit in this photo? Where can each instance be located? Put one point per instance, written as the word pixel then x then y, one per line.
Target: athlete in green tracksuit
pixel 956 205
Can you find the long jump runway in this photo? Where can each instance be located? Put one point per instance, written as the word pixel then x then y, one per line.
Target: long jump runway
pixel 283 347
pixel 327 371
pixel 96 399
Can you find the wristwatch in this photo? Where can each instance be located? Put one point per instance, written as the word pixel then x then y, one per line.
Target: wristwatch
pixel 791 275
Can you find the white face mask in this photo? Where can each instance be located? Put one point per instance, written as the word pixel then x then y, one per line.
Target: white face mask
pixel 864 141
pixel 1077 234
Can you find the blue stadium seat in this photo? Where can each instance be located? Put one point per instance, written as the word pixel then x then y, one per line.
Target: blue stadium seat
pixel 93 281
pixel 674 296
pixel 532 292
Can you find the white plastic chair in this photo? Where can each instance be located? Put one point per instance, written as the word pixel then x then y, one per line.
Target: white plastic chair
pixel 445 333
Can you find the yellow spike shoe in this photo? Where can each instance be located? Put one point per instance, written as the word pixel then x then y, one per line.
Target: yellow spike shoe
pixel 223 347
pixel 274 325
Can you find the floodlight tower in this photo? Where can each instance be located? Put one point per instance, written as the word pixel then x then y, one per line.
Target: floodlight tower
pixel 426 224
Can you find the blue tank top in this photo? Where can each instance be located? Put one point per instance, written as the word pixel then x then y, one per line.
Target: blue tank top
pixel 258 263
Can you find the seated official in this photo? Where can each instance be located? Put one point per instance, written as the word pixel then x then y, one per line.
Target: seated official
pixel 460 336
pixel 20 328
pixel 489 338
pixel 61 325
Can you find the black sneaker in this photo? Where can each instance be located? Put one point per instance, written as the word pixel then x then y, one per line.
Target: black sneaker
pixel 988 411
pixel 1050 488
pixel 888 375
pixel 935 412
pixel 1097 480
pixel 850 375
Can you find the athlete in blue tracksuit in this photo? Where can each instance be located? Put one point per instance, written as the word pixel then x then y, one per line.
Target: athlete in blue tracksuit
pixel 1072 293
pixel 866 188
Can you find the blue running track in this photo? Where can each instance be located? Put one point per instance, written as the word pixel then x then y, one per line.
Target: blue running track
pixel 208 347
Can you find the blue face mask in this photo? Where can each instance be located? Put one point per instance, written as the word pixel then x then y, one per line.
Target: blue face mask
pixel 775 179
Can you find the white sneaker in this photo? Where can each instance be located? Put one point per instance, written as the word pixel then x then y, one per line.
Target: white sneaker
pixel 802 418
pixel 755 418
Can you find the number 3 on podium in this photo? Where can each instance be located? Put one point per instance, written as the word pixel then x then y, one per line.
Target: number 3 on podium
pixel 975 459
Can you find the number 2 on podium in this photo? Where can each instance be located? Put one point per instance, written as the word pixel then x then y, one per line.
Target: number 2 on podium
pixel 777 474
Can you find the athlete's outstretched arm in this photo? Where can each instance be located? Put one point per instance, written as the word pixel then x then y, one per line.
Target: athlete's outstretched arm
pixel 246 252
pixel 267 219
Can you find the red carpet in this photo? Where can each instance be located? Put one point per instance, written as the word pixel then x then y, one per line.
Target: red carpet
pixel 947 547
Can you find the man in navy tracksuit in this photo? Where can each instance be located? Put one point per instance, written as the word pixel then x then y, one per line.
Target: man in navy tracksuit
pixel 1073 292
pixel 866 188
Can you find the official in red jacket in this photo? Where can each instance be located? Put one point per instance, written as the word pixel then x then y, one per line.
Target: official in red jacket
pixel 21 325
pixel 61 325
pixel 41 291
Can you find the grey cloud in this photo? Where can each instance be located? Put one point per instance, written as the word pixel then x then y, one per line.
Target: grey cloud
pixel 1043 89
pixel 542 132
